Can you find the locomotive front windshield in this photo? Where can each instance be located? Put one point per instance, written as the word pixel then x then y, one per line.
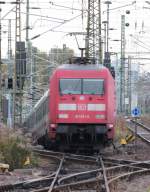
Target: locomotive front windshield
pixel 93 86
pixel 70 86
pixel 82 86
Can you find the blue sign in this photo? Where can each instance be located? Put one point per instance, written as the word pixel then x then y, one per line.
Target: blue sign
pixel 136 112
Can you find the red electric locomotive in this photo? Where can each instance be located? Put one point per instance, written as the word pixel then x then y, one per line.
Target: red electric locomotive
pixel 81 105
pixel 78 109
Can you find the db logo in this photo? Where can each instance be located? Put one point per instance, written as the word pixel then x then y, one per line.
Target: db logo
pixel 82 107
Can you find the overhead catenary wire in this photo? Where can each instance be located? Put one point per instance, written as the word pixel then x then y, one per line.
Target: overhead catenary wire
pixel 62 6
pixel 142 46
pixel 10 11
pixel 57 20
pixel 120 7
pixel 69 6
pixel 44 16
pixel 51 29
pixel 147 46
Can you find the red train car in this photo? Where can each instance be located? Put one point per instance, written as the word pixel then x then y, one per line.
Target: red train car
pixel 82 105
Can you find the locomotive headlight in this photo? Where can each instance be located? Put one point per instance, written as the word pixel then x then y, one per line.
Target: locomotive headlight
pixel 53 125
pixel 63 116
pixel 110 125
pixel 100 116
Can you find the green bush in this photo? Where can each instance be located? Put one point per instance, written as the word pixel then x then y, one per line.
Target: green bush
pixel 14 152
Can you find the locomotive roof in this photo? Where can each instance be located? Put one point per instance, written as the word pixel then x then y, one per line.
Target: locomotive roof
pixel 81 67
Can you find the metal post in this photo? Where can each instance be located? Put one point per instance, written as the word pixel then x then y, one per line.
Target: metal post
pixel 17 39
pixel 129 81
pixel 100 54
pixel 88 33
pixel 107 3
pixel 31 75
pixel 105 35
pixel 14 94
pixel 29 51
pixel 107 47
pixel 27 22
pixel 107 60
pixel 27 36
pixel 135 130
pixel 28 47
pixel 0 69
pixel 10 74
pixel 122 67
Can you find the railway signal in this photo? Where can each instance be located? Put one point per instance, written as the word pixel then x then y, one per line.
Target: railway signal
pixel 10 83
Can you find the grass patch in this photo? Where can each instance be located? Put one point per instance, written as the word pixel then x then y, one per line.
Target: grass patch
pixel 121 129
pixel 14 150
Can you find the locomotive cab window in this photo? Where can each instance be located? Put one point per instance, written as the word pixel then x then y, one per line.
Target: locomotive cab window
pixel 70 86
pixel 93 86
pixel 82 86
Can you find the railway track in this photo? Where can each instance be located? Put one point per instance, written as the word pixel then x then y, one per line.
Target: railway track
pixel 141 130
pixel 79 172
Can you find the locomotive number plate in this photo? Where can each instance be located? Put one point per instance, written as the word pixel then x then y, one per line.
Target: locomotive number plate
pixel 82 116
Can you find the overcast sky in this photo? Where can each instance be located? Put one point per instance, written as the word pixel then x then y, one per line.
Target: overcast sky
pixel 63 16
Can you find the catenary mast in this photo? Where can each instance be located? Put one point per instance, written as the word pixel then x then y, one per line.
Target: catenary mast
pixel 93 38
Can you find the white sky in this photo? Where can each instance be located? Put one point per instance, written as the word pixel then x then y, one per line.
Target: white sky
pixel 138 19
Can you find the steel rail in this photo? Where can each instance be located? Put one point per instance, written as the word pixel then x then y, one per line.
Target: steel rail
pixel 73 184
pixel 67 155
pixel 141 125
pixel 50 188
pixel 93 181
pixel 95 171
pixel 72 157
pixel 50 156
pixel 27 184
pixel 39 181
pixel 140 135
pixel 47 152
pixel 134 173
pixel 81 177
pixel 92 173
pixel 9 187
pixel 104 175
pixel 87 176
pixel 119 161
pixel 81 158
pixel 56 175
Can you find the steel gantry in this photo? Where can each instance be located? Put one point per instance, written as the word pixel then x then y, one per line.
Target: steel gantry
pixel 93 39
